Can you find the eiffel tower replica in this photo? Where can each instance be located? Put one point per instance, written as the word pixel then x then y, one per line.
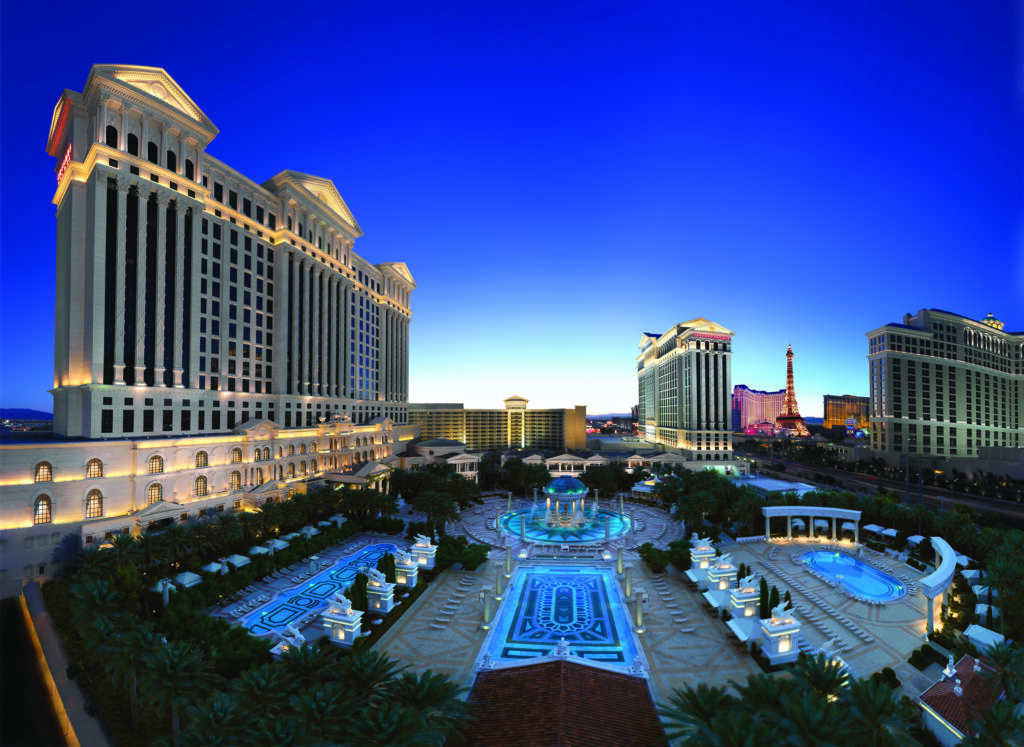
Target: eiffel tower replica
pixel 789 418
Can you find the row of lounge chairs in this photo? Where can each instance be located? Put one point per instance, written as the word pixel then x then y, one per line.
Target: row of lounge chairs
pixel 824 606
pixel 456 598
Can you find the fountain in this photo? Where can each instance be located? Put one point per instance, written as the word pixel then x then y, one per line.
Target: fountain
pixel 564 517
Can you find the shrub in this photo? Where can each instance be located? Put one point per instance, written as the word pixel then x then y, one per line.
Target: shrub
pixel 657 560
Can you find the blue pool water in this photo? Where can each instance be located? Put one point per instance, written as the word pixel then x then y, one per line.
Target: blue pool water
pixel 546 603
pixel 312 593
pixel 592 531
pixel 859 577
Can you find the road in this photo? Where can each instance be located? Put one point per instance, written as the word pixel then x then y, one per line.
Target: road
pixel 937 499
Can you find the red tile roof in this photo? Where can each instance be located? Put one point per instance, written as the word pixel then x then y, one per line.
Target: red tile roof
pixel 562 704
pixel 980 690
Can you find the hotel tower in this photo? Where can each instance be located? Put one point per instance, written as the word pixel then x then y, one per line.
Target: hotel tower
pixel 218 341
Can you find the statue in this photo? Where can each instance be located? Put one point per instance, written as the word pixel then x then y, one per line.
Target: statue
pixel 562 649
pixel 725 560
pixel 376 577
pixel 778 612
pixel 488 661
pixel 403 558
pixel 422 541
pixel 746 583
pixel 345 603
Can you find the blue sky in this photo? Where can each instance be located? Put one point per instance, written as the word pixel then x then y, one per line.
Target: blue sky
pixel 563 177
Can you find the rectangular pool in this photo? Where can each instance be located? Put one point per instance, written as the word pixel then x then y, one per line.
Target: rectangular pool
pixel 544 604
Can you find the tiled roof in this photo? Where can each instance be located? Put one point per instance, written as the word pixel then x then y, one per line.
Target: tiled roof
pixel 980 690
pixel 562 704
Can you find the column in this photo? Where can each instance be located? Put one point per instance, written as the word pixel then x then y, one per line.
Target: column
pixel 789 527
pixel 314 333
pixel 295 311
pixel 178 363
pixel 306 271
pixel 180 165
pixel 834 528
pixel 140 289
pixel 931 614
pixel 385 363
pixel 192 374
pixel 161 301
pixel 123 185
pixel 346 320
pixel 767 528
pixel 101 131
pixel 97 289
pixel 856 532
pixel 122 140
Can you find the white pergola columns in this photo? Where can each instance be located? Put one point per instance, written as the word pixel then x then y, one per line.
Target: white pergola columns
pixel 939 580
pixel 812 512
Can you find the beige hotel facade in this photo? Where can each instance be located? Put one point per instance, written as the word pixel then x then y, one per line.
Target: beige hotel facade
pixel 218 341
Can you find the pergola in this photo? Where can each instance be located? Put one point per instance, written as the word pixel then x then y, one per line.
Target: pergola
pixel 846 515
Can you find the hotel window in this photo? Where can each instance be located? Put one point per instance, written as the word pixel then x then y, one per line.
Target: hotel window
pixel 94 505
pixel 202 460
pixel 154 493
pixel 41 510
pixel 256 455
pixel 156 464
pixel 201 486
pixel 291 449
pixel 94 468
pixel 291 470
pixel 236 480
pixel 259 476
pixel 133 144
pixel 44 472
pixel 236 456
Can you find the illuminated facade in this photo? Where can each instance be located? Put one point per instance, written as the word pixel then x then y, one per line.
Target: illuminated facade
pixel 752 406
pixel 218 343
pixel 944 385
pixel 515 427
pixel 839 408
pixel 684 388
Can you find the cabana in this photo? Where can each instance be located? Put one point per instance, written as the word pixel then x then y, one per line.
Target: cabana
pixel 258 550
pixel 982 592
pixel 309 531
pixel 890 533
pixel 211 568
pixel 289 537
pixel 187 579
pixel 237 560
pixel 277 544
pixel 323 524
pixel 963 561
pixel 821 524
pixel 873 528
pixel 982 637
pixel 971 576
pixel 982 609
pixel 914 540
pixel 848 526
pixel 798 523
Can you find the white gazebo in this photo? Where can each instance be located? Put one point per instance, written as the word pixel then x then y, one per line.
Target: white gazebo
pixel 237 560
pixel 814 514
pixel 187 579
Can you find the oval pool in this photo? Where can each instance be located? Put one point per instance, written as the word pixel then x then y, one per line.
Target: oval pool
pixel 855 575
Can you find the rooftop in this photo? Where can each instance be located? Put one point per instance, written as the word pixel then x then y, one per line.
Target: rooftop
pixel 980 689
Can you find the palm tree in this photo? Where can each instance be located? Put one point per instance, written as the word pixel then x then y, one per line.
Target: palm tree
pixel 999 726
pixel 325 709
pixel 389 724
pixel 177 544
pixel 219 721
pixel 434 695
pixel 201 535
pixel 131 650
pixel 176 674
pixel 436 507
pixel 822 676
pixel 150 551
pixel 691 711
pixel 92 560
pixel 248 529
pixel 266 688
pixel 1007 666
pixel 1006 575
pixel 367 673
pixel 228 531
pixel 268 519
pixel 94 597
pixel 763 692
pixel 277 731
pixel 308 665
pixel 877 717
pixel 808 722
pixel 122 549
pixel 735 729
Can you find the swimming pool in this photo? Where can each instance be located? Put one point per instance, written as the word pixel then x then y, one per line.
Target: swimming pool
pixel 544 604
pixel 315 592
pixel 856 576
pixel 593 530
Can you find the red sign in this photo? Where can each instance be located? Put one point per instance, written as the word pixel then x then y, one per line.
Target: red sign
pixel 706 336
pixel 64 164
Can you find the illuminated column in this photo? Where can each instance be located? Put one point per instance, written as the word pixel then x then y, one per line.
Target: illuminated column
pixel 122 139
pixel 306 270
pixel 97 286
pixel 332 335
pixel 385 362
pixel 140 288
pixel 628 582
pixel 161 299
pixel 508 561
pixel 346 320
pixel 101 131
pixel 162 202
pixel 618 561
pixel 789 527
pixel 192 217
pixel 123 185
pixel 178 364
pixel 314 334
pixel 294 313
pixel 180 165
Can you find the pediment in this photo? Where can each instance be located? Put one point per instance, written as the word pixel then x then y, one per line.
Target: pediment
pixel 156 83
pixel 566 458
pixel 325 191
pixel 700 324
pixel 400 269
pixel 156 510
pixel 258 429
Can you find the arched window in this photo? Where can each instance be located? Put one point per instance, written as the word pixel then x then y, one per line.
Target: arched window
pixel 256 455
pixel 202 459
pixel 154 493
pixel 236 456
pixel 94 468
pixel 280 452
pixel 133 144
pixel 156 464
pixel 312 465
pixel 259 475
pixel 190 169
pixel 112 136
pixel 94 505
pixel 172 161
pixel 313 447
pixel 291 469
pixel 41 510
pixel 153 153
pixel 302 448
pixel 302 466
pixel 44 472
pixel 201 486
pixel 291 449
pixel 236 480
pixel 266 453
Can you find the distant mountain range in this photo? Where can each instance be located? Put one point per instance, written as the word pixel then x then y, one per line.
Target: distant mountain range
pixel 22 413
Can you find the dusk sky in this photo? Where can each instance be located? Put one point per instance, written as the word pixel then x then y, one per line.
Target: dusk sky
pixel 561 177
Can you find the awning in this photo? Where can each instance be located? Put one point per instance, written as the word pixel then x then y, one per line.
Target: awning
pixel 237 560
pixel 257 550
pixel 187 579
pixel 309 531
pixel 981 636
pixel 211 568
pixel 889 533
pixel 738 630
pixel 915 539
pixel 963 561
pixel 873 528
pixel 712 599
pixel 798 522
pixel 982 609
pixel 290 536
pixel 849 526
pixel 324 524
pixel 276 544
pixel 972 575
pixel 821 523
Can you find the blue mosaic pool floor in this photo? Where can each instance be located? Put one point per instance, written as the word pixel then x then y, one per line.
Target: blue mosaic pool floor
pixel 547 603
pixel 857 576
pixel 593 531
pixel 313 593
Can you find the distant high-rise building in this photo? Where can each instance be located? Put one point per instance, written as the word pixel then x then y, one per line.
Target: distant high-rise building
pixel 683 380
pixel 789 418
pixel 515 427
pixel 943 384
pixel 752 406
pixel 842 407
